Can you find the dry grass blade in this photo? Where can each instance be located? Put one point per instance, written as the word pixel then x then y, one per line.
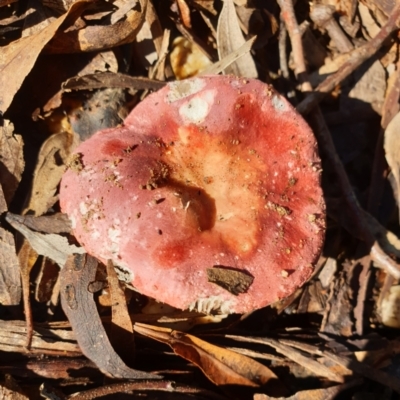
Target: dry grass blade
pixel 221 65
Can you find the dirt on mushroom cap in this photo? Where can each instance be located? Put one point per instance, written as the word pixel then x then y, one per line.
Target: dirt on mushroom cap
pixel 211 173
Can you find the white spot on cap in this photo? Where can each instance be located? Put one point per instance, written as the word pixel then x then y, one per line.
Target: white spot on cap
pixel 114 235
pixel 83 208
pixel 195 110
pixel 95 235
pixel 181 89
pixel 73 221
pixel 278 103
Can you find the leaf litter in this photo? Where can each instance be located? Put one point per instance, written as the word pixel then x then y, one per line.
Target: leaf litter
pixel 339 330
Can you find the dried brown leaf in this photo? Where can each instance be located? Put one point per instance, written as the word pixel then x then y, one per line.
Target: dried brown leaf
pixel 18 58
pixel 79 306
pixel 230 38
pixel 124 6
pixel 50 167
pixel 98 37
pixel 221 366
pixel 11 160
pixel 149 38
pixel 121 329
pixel 10 281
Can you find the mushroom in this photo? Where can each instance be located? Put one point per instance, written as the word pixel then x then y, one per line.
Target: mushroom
pixel 208 197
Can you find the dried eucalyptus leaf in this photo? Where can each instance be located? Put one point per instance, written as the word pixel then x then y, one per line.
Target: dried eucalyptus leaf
pixel 53 246
pixel 230 38
pixel 221 65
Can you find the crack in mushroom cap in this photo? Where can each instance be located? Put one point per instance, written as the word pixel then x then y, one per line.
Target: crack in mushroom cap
pixel 210 172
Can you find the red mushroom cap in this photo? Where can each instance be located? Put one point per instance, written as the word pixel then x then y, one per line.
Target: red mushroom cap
pixel 208 196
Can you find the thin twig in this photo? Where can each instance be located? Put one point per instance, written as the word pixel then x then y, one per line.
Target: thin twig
pixel 283 64
pixel 292 26
pixel 357 57
pixel 127 387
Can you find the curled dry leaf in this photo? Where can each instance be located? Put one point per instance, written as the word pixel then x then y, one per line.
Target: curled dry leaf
pixel 221 366
pixel 79 306
pixel 98 37
pixel 18 58
pixel 230 38
pixel 11 160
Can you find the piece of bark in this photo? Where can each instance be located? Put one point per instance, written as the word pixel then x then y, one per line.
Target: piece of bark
pixel 79 306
